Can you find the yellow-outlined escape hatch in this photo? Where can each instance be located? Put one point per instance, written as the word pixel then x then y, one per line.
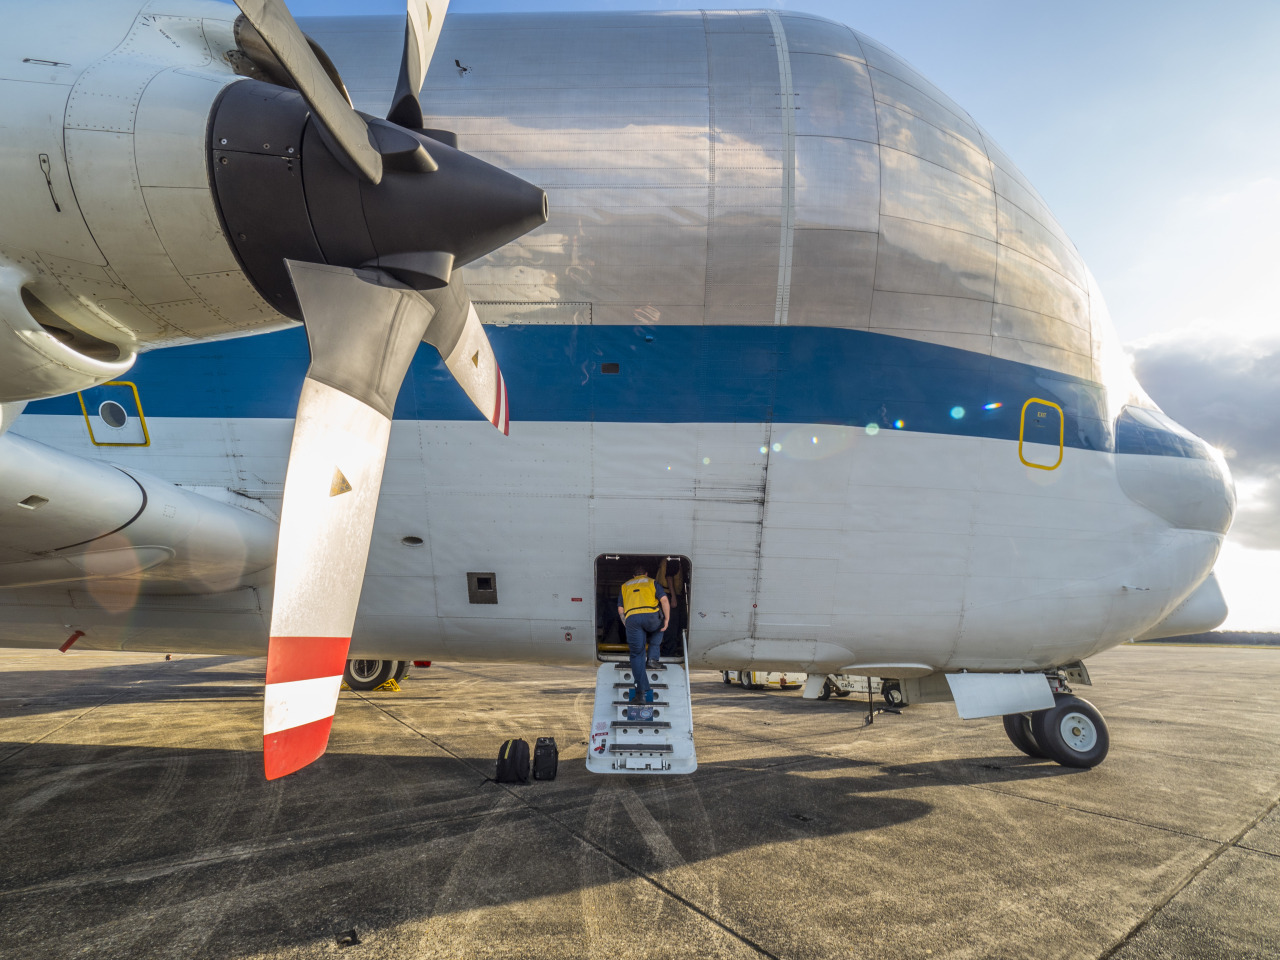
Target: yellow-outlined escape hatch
pixel 1042 414
pixel 113 414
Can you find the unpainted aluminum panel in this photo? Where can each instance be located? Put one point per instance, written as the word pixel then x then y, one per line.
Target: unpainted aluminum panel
pixel 1019 324
pixel 808 34
pixel 832 97
pixel 898 93
pixel 906 132
pixel 916 189
pixel 1043 242
pixel 831 278
pixel 666 144
pixel 837 184
pixel 883 59
pixel 925 312
pixel 921 258
pixel 1023 282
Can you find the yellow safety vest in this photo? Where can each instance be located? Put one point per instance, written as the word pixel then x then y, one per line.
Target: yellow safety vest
pixel 639 596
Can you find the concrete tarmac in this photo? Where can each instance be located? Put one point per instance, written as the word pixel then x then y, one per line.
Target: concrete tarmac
pixel 136 822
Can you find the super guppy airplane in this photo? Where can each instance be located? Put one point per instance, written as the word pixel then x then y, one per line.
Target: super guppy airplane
pixel 762 298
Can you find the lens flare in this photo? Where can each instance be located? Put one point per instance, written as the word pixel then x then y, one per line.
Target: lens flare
pixel 957 413
pixel 993 406
pixel 899 424
pixel 873 429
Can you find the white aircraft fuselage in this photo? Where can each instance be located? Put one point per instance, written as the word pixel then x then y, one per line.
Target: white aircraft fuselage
pixel 794 317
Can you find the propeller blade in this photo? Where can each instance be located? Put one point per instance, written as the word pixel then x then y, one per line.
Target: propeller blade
pixel 421 31
pixel 363 330
pixel 458 334
pixel 350 133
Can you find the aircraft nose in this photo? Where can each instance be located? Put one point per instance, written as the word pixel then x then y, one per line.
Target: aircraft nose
pixel 1172 472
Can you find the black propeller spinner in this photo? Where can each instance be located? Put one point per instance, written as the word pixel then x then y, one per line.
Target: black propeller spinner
pixel 285 190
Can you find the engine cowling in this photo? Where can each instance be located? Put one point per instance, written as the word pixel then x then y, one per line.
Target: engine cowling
pixel 66 519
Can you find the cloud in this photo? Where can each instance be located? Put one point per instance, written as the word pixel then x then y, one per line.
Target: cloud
pixel 1226 390
pixel 1207 256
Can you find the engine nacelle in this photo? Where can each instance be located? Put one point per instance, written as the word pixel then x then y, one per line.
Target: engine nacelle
pixel 65 519
pixel 111 243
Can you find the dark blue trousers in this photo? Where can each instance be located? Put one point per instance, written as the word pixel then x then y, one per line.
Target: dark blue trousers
pixel 644 631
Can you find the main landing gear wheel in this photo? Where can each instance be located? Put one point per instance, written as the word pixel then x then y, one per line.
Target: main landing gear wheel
pixel 724 674
pixel 841 693
pixel 368 674
pixel 1017 726
pixel 892 693
pixel 827 689
pixel 402 670
pixel 1071 732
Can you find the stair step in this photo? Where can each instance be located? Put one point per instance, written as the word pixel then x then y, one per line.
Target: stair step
pixel 641 748
pixel 661 745
pixel 628 703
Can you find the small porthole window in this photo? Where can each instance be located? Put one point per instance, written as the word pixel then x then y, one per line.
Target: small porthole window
pixel 610 368
pixel 112 414
pixel 411 541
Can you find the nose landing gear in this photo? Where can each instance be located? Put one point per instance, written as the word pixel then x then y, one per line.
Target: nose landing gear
pixel 1071 732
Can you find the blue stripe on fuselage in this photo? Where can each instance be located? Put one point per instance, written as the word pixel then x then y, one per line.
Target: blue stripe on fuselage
pixel 666 374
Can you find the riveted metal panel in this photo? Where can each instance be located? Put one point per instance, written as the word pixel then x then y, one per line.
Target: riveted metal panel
pixel 922 258
pixel 833 97
pixel 837 184
pixel 907 132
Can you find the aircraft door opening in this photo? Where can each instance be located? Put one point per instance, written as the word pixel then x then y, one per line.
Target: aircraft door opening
pixel 672 572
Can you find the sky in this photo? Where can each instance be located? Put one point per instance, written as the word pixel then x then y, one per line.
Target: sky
pixel 1152 129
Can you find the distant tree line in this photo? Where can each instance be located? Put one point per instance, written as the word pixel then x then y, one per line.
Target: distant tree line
pixel 1225 638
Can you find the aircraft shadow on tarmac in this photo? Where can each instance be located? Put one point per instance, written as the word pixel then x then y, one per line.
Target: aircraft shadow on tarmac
pixel 160 835
pixel 29 692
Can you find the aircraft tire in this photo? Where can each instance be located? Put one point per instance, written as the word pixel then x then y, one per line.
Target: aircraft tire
pixel 1017 727
pixel 841 693
pixel 1071 732
pixel 368 674
pixel 826 690
pixel 402 670
pixel 728 680
pixel 892 694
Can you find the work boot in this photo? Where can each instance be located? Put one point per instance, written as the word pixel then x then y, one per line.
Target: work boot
pixel 634 696
pixel 653 664
pixel 648 696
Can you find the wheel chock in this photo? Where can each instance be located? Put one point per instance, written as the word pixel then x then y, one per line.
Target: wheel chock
pixel 344 686
pixel 390 686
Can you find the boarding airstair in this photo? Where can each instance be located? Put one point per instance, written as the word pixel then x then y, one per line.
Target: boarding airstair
pixel 642 737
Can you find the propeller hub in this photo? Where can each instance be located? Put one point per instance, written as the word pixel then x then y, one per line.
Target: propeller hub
pixel 286 192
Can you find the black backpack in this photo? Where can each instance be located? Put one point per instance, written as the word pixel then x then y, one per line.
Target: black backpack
pixel 513 762
pixel 546 758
